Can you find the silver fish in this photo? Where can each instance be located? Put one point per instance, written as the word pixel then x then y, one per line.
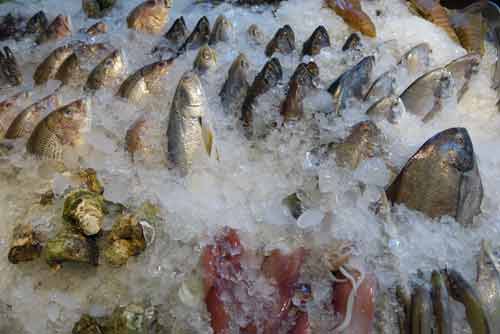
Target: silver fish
pixel 488 282
pixel 221 31
pixel 236 86
pixel 390 108
pixel 462 70
pixel 352 83
pixel 384 85
pixel 417 60
pixel 441 178
pixel 425 96
pixel 187 133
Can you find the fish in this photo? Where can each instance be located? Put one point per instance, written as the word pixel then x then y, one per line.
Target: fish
pixel 70 71
pixel 255 34
pixel 187 132
pixel 421 311
pixel 10 68
pixel 318 40
pixel 301 83
pixel 177 32
pixel 61 128
pixel 198 37
pixel 205 61
pixel 403 297
pixel 353 15
pixel 47 70
pixel 9 27
pixel 441 178
pixel 461 291
pixel 221 31
pixel 390 108
pixel 470 28
pixel 97 8
pixel 8 108
pixel 384 85
pixel 363 142
pixel 106 71
pixel 134 139
pixel 352 83
pixel 353 42
pixel 142 82
pixel 37 24
pixel 282 42
pixel 59 28
pixel 26 120
pixel 266 79
pixel 441 304
pixel 488 282
pixel 417 60
pixel 433 11
pixel 97 29
pixel 462 70
pixel 426 95
pixel 150 16
pixel 236 85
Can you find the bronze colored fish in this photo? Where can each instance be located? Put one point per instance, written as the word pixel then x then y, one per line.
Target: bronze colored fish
pixel 432 11
pixel 142 82
pixel 352 14
pixel 150 16
pixel 26 120
pixel 106 71
pixel 47 70
pixel 37 24
pixel 441 178
pixel 97 29
pixel 57 29
pixel 61 128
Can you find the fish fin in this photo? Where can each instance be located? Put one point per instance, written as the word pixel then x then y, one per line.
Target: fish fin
pixel 207 135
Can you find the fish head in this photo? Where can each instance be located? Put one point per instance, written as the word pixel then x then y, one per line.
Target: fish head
pixel 241 63
pixel 74 115
pixel 320 38
pixel 455 146
pixel 207 55
pixel 162 67
pixel 202 27
pixel 285 38
pixel 190 92
pixel 270 74
pixel 222 25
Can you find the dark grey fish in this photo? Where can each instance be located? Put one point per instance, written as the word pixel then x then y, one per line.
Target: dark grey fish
pixel 353 42
pixel 318 40
pixel 421 311
pixel 462 70
pixel 441 178
pixel 282 42
pixel 10 67
pixel 463 292
pixel 441 304
pixel 268 77
pixel 198 37
pixel 426 95
pixel 221 31
pixel 236 86
pixel 390 108
pixel 177 32
pixel 488 282
pixel 303 80
pixel 38 23
pixel 352 83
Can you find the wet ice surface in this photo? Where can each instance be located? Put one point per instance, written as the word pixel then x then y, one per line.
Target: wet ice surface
pixel 245 188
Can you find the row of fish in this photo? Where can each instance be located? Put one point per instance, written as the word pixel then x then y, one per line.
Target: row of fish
pixel 426 311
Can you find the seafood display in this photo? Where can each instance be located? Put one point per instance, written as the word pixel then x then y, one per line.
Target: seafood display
pixel 249 167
